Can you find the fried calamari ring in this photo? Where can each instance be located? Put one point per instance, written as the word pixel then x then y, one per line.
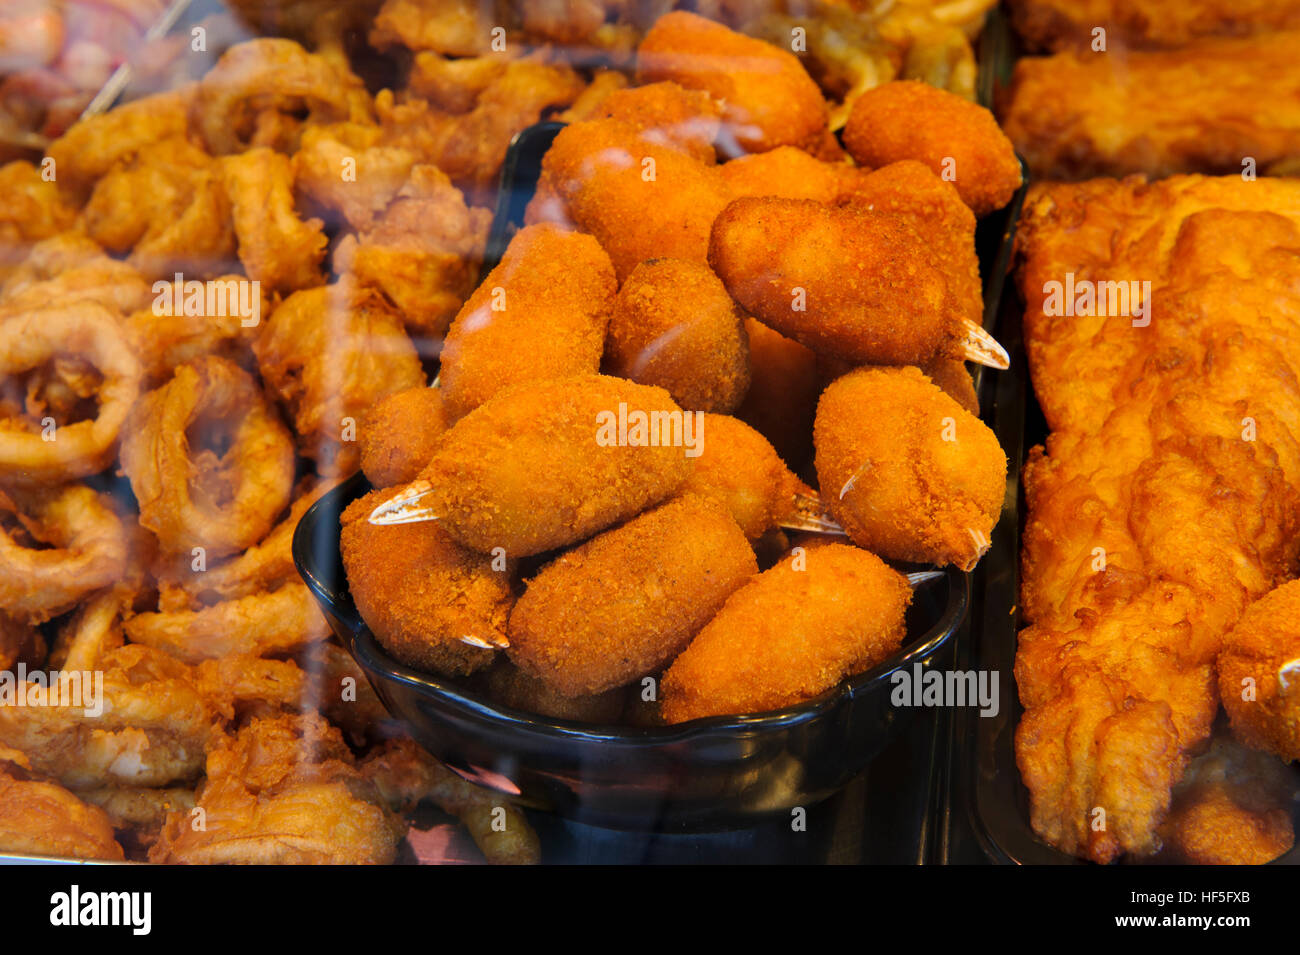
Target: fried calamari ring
pixel 191 495
pixel 249 97
pixel 40 451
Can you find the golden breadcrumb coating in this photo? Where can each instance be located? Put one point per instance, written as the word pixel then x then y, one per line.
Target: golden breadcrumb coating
pixel 399 434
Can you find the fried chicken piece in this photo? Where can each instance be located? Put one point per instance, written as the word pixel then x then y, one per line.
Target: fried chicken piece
pixel 958 140
pixel 541 313
pixel 624 604
pixel 1259 673
pixel 136 808
pixel 328 354
pixel 790 634
pixel 399 435
pixel 277 248
pixel 1200 108
pixel 674 325
pixel 431 603
pixel 42 818
pixel 1054 25
pixel 768 99
pixel 1232 807
pixel 423 254
pixel 282 791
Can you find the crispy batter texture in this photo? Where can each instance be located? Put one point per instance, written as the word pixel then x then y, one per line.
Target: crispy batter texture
pixel 162 341
pixel 94 146
pixel 399 435
pixel 741 471
pixel 421 593
pixel 326 153
pixel 850 282
pixel 957 139
pixel 625 603
pixel 925 483
pixel 544 465
pixel 1053 25
pixel 768 99
pixel 542 313
pixel 783 390
pixel 1147 462
pixel 790 634
pixel 675 326
pixel 1202 108
pixel 1259 673
pixel 43 818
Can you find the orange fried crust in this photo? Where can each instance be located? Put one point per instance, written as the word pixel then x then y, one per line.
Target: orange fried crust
pixel 783 389
pixel 791 633
pixel 741 471
pixel 399 434
pixel 1259 673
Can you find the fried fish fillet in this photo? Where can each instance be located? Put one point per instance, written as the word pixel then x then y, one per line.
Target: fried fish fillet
pixel 1207 107
pixel 1165 500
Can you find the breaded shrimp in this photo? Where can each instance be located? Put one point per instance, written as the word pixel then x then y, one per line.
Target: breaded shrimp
pixel 431 603
pixel 848 282
pixel 1259 673
pixel 783 390
pixel 399 434
pixel 741 471
pixel 790 634
pixel 541 313
pixel 675 326
pixel 548 464
pixel 908 472
pixel 958 140
pixel 769 98
pixel 951 376
pixel 626 602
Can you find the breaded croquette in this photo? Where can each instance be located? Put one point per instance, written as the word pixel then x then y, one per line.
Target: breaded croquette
pixel 769 99
pixel 626 602
pixel 783 390
pixel 740 470
pixel 790 634
pixel 424 596
pixel 640 198
pixel 951 376
pixel 849 282
pixel 908 472
pixel 958 140
pixel 668 114
pixel 789 173
pixel 675 326
pixel 399 434
pixel 541 313
pixel 548 464
pixel 510 686
pixel 1259 673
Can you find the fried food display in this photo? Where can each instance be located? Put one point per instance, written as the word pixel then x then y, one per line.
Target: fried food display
pixel 674 325
pixel 739 469
pixel 399 434
pixel 783 389
pixel 541 313
pixel 956 139
pixel 1164 502
pixel 768 98
pixel 549 464
pixel 433 604
pixel 790 634
pixel 924 483
pixel 42 818
pixel 1055 25
pixel 1259 673
pixel 674 565
pixel 1217 106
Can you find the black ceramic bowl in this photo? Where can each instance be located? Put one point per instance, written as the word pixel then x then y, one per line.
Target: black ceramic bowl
pixel 709 772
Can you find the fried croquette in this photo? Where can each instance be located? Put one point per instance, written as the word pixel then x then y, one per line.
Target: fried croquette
pixel 740 470
pixel 626 602
pixel 541 313
pixel 399 434
pixel 908 472
pixel 675 326
pixel 790 634
pixel 640 198
pixel 958 140
pixel 1259 673
pixel 424 596
pixel 950 374
pixel 789 173
pixel 850 282
pixel 550 463
pixel 769 99
pixel 783 391
pixel 510 686
pixel 669 114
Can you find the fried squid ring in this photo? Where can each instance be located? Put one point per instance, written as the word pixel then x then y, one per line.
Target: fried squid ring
pixel 86 548
pixel 226 496
pixel 45 449
pixel 250 96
